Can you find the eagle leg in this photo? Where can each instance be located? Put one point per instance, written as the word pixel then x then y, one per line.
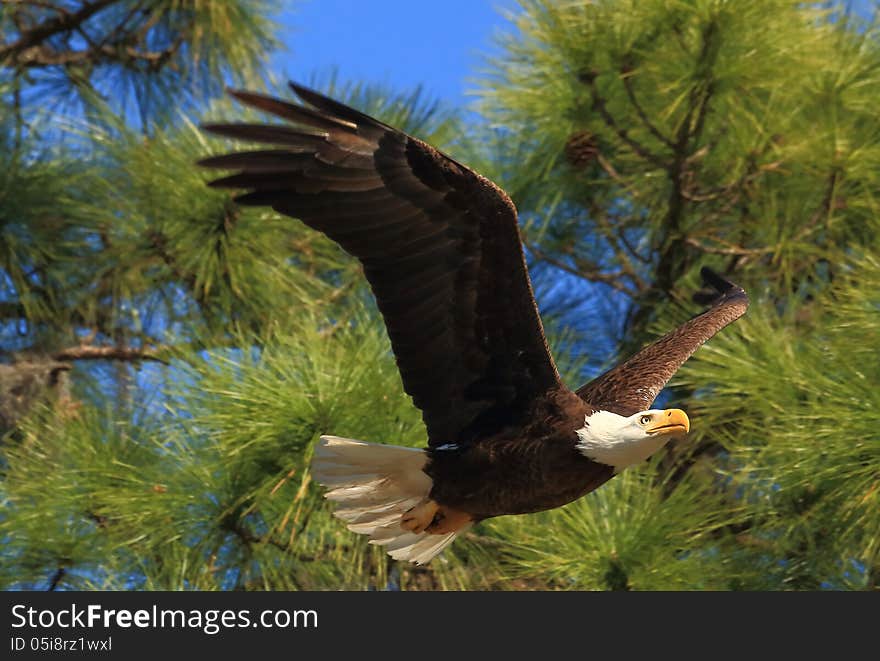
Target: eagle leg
pixel 418 518
pixel 449 520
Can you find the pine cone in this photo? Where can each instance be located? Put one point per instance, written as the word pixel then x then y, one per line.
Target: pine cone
pixel 581 149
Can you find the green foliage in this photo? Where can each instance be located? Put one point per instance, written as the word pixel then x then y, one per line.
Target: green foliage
pixel 632 534
pixel 145 59
pixel 41 233
pixel 672 135
pixel 794 402
pixel 212 490
pixel 669 135
pixel 226 434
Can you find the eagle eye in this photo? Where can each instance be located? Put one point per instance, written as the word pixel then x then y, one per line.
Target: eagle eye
pixel 645 419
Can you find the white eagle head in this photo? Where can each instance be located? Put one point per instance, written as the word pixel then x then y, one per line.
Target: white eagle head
pixel 618 441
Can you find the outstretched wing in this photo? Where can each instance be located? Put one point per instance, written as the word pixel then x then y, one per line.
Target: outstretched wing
pixel 633 385
pixel 439 245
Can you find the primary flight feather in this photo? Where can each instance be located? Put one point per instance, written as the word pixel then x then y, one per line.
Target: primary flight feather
pixel 440 247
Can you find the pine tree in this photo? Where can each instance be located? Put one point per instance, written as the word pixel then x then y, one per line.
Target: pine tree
pixel 169 359
pixel 153 329
pixel 740 135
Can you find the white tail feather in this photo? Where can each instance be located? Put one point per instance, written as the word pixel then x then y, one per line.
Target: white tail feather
pixel 374 485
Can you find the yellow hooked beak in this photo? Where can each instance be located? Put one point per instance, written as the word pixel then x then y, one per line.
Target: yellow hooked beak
pixel 670 421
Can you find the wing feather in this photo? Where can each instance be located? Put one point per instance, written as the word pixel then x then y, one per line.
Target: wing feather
pixel 439 244
pixel 633 385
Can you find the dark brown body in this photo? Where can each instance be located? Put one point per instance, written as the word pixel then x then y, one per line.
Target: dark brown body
pixel 524 468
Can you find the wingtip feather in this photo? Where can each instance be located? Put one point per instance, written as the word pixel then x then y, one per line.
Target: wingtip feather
pixel 302 91
pixel 721 288
pixel 291 111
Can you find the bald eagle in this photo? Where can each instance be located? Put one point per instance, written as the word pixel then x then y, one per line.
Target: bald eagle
pixel 441 249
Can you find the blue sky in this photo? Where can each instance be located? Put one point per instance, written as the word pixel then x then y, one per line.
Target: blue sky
pixel 436 44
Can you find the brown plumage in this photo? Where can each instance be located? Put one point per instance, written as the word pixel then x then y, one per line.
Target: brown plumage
pixel 634 384
pixel 441 250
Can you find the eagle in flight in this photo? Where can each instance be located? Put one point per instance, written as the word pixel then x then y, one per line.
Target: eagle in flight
pixel 441 249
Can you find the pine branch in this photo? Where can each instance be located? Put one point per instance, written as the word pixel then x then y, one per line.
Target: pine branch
pixel 729 249
pixel 631 249
pixel 702 93
pixel 46 57
pixel 752 173
pixel 613 234
pixel 600 106
pixel 127 354
pixel 121 45
pixel 10 310
pixel 249 538
pixel 585 270
pixel 56 579
pixel 673 255
pixel 640 111
pixel 22 50
pixel 825 207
